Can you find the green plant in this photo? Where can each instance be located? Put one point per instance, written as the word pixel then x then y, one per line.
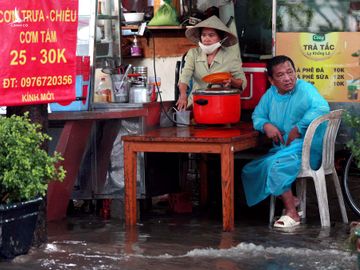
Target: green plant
pixel 25 168
pixel 352 243
pixel 353 121
pixel 165 15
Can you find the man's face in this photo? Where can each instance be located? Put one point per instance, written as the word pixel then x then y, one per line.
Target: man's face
pixel 284 77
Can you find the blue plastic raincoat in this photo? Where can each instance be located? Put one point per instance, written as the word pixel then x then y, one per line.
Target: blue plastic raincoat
pixel 274 173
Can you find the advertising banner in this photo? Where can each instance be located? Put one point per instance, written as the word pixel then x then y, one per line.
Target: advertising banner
pixel 330 61
pixel 38 51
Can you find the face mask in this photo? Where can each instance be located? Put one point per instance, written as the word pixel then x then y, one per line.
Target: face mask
pixel 209 49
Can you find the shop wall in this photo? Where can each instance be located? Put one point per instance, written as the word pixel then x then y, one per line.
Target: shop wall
pixel 165 69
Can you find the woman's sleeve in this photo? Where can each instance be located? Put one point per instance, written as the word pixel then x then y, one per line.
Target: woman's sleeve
pixel 237 71
pixel 188 69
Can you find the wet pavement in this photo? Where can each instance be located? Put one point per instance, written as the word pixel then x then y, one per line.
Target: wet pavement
pixel 187 241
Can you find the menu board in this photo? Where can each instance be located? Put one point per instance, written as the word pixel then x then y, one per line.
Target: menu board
pixel 38 51
pixel 329 61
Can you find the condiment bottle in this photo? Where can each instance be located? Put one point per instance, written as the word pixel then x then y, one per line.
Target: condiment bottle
pixel 153 94
pixel 135 49
pixel 103 91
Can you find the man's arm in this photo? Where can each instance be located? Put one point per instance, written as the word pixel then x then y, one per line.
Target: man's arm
pixel 317 106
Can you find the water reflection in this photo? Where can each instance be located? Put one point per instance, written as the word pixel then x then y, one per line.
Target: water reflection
pixel 186 243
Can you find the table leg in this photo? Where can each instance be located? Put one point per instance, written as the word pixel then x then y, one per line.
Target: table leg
pixel 72 144
pixel 203 180
pixel 109 131
pixel 131 238
pixel 130 169
pixel 227 186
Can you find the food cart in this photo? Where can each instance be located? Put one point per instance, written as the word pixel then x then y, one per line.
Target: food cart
pixel 262 28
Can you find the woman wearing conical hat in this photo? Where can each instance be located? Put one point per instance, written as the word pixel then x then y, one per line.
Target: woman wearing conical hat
pixel 212 56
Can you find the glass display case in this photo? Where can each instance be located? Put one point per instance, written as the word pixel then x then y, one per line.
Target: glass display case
pixel 99 39
pixel 107 23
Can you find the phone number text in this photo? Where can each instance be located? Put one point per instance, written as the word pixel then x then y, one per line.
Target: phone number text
pixel 39 81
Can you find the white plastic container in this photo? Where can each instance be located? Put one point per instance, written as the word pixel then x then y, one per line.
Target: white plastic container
pixel 134 17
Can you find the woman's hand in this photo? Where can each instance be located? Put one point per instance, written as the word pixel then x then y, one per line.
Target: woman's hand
pixel 273 133
pixel 232 82
pixel 227 83
pixel 182 102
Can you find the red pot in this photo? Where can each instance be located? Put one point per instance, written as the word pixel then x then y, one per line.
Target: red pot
pixel 217 106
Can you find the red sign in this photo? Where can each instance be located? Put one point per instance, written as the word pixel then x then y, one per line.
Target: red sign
pixel 38 51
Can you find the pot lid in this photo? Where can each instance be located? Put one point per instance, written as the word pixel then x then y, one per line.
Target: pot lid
pixel 216 91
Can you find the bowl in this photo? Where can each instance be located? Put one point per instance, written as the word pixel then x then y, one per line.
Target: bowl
pixel 216 78
pixel 134 17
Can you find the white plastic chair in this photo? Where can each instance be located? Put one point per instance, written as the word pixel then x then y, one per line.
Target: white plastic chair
pixel 327 168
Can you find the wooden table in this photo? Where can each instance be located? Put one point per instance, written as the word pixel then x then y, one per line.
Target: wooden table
pixel 217 140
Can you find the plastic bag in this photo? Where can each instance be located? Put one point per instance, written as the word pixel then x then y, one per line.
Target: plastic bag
pixel 166 118
pixel 166 15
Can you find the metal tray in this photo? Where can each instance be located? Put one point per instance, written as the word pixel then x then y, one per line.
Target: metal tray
pixel 116 106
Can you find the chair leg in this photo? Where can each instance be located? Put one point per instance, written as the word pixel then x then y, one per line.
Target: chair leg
pixel 335 179
pixel 272 209
pixel 321 194
pixel 301 195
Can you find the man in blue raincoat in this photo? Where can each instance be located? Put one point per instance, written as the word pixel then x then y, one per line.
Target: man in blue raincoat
pixel 283 114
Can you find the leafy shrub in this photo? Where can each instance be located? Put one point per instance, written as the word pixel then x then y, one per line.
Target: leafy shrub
pixel 353 121
pixel 25 168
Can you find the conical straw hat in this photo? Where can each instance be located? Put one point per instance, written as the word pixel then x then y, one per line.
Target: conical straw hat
pixel 214 22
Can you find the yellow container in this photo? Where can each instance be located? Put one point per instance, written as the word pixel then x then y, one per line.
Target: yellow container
pixel 157 4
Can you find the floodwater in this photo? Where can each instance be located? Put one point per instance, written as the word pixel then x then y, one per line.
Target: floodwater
pixel 174 242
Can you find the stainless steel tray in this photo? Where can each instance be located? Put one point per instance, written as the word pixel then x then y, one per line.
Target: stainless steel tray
pixel 116 106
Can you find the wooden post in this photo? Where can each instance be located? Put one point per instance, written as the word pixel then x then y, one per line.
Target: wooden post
pixel 227 187
pixel 130 170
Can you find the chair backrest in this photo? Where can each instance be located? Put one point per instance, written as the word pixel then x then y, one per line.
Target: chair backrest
pixel 179 66
pixel 328 152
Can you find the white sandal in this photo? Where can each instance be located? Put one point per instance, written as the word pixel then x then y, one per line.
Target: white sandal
pixel 286 222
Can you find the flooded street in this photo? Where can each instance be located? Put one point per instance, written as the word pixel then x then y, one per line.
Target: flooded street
pixel 186 242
